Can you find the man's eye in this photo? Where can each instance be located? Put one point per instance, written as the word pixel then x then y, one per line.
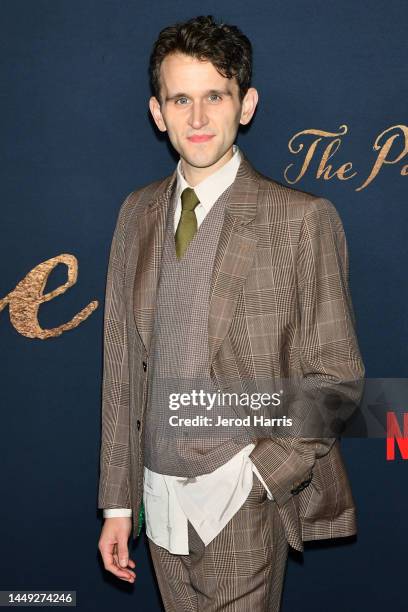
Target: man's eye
pixel 182 101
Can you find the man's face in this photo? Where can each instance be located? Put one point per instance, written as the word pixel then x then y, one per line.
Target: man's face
pixel 200 110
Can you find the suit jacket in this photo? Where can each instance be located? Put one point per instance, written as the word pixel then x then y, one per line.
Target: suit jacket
pixel 279 307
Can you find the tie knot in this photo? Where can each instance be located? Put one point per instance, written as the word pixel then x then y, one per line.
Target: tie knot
pixel 189 199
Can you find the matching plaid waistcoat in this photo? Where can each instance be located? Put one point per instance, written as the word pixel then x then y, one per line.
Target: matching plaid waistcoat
pixel 179 361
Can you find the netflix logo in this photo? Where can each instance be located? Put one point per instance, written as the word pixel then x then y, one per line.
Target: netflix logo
pixel 395 437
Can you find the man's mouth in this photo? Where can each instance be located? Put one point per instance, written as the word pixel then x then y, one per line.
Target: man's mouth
pixel 202 138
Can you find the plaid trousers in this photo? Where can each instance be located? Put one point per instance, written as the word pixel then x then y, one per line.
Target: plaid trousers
pixel 241 570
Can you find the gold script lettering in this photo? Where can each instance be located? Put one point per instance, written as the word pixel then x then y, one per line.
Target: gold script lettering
pixel 325 170
pixel 27 297
pixel 327 154
pixel 383 151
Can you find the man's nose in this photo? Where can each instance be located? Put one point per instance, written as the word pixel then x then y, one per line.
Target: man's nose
pixel 198 116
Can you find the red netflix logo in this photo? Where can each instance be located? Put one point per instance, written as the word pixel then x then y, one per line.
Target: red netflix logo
pixel 394 434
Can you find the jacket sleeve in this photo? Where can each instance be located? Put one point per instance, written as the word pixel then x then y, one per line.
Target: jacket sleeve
pixel 114 451
pixel 321 402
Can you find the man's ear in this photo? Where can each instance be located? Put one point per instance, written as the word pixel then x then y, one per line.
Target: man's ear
pixel 156 113
pixel 248 105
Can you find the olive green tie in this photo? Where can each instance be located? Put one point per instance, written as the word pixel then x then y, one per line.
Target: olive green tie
pixel 187 225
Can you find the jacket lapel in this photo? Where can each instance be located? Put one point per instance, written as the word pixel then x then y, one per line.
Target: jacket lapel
pixel 235 254
pixel 233 260
pixel 151 227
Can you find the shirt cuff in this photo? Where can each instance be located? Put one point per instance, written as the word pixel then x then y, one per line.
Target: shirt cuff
pixel 112 512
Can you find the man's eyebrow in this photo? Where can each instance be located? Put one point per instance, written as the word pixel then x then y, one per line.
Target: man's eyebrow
pixel 181 94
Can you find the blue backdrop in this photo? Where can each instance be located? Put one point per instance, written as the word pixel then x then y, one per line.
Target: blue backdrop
pixel 76 139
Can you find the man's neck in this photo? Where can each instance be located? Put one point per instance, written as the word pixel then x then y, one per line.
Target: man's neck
pixel 194 175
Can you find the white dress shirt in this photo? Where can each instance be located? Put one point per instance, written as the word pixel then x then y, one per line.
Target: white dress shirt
pixel 211 500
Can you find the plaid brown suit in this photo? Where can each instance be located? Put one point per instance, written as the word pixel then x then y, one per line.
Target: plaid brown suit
pixel 279 308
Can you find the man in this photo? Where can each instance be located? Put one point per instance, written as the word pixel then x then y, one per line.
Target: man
pixel 221 277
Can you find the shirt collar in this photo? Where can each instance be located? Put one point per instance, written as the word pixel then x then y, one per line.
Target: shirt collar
pixel 210 188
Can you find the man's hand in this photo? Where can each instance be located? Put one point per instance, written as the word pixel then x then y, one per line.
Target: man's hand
pixel 113 546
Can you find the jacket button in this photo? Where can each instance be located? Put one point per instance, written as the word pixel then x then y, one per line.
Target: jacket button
pixel 138 424
pixel 144 366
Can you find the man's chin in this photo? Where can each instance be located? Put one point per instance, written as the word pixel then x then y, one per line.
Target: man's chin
pixel 201 159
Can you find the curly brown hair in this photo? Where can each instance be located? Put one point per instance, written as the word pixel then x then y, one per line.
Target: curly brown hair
pixel 225 46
